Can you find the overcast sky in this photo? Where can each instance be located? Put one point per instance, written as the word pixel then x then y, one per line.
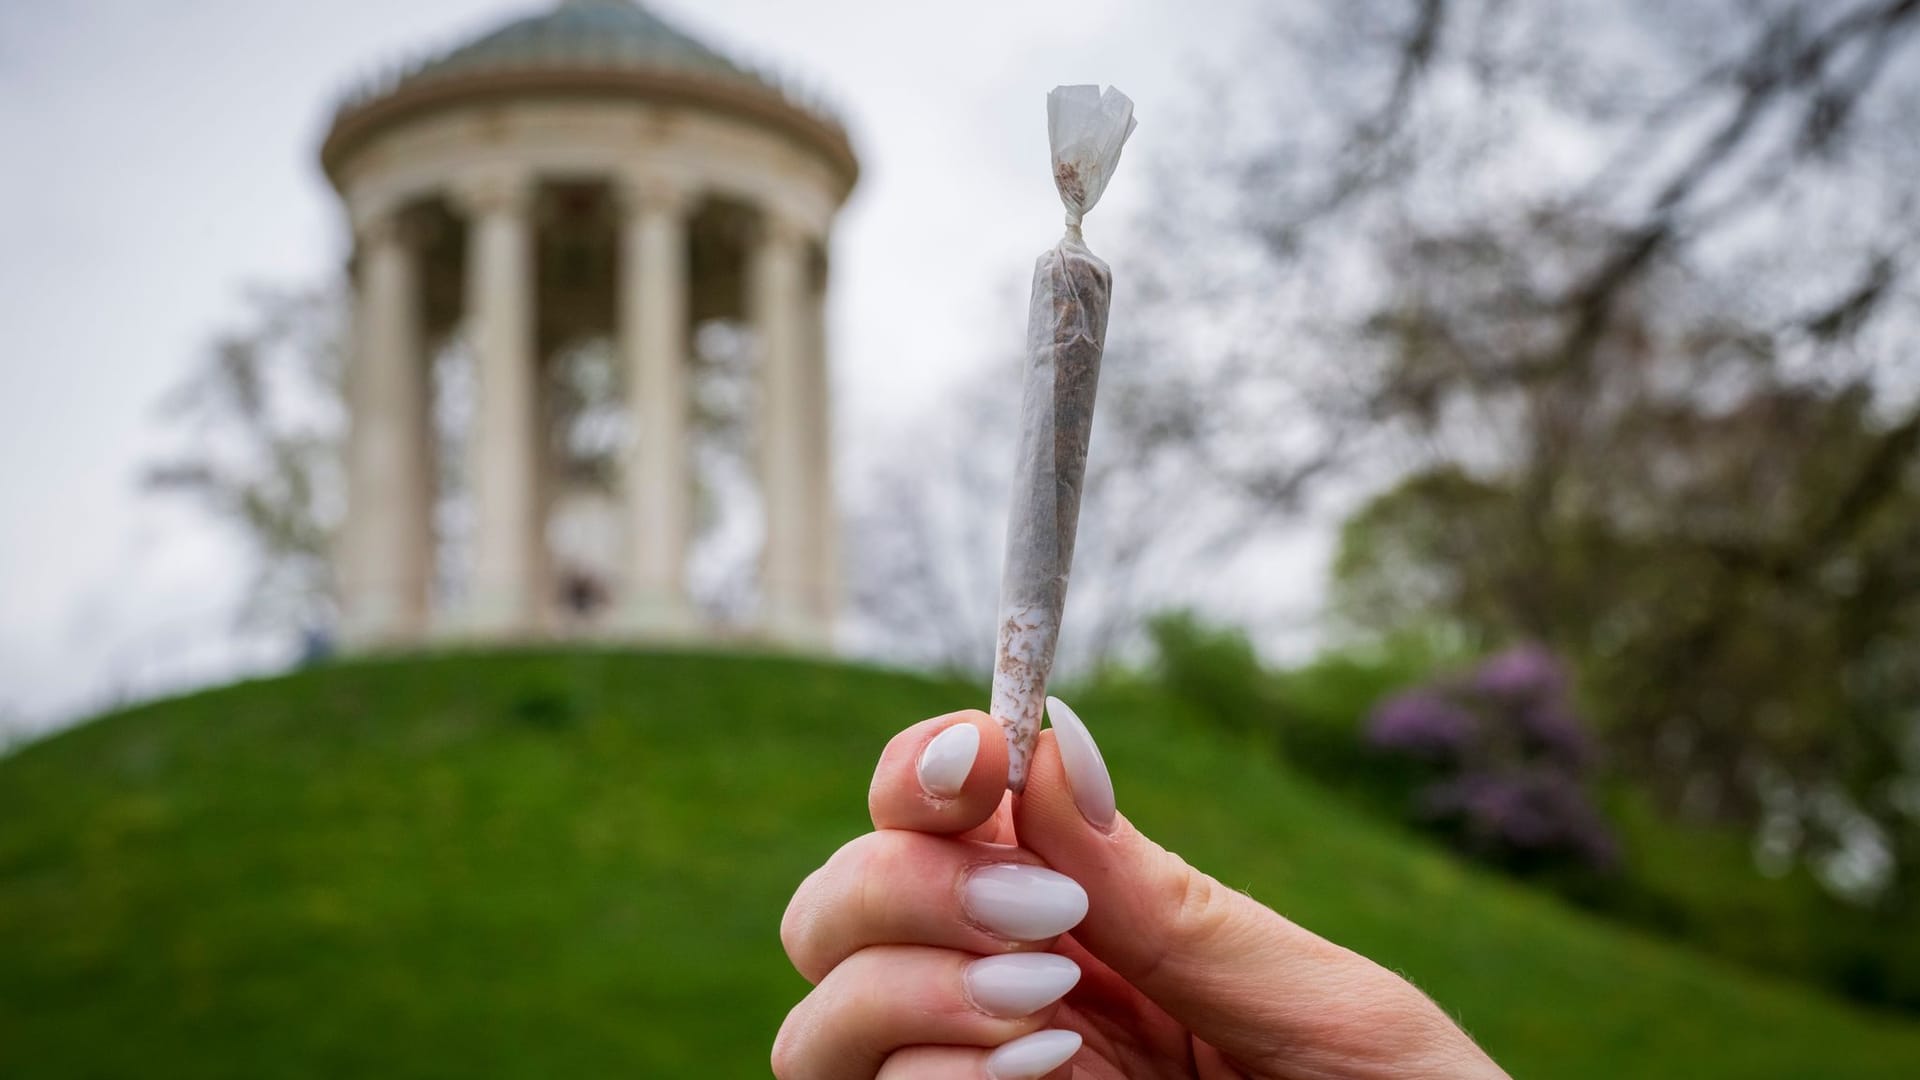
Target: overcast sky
pixel 156 157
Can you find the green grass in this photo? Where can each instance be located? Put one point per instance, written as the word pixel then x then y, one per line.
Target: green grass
pixel 574 864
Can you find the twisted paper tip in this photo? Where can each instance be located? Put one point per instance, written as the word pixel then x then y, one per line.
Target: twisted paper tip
pixel 1087 128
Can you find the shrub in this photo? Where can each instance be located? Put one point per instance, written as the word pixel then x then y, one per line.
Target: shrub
pixel 1215 669
pixel 1506 761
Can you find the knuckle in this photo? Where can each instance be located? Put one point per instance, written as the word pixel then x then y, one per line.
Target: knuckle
pixel 797 923
pixel 1204 911
pixel 1193 911
pixel 1198 906
pixel 882 859
pixel 806 924
pixel 876 860
pixel 786 1056
pixel 925 983
pixel 781 1061
pixel 857 856
pixel 845 899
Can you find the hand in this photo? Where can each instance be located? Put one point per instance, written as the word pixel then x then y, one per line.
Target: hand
pixel 939 951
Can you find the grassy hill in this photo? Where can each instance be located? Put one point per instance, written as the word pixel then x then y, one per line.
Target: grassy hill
pixel 574 864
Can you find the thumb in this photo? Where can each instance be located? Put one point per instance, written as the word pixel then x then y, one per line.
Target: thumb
pixel 1269 994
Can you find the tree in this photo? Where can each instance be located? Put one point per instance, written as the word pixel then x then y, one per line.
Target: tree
pixel 1617 296
pixel 928 534
pixel 262 424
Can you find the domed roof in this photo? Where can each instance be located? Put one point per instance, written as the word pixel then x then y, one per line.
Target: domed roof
pixel 599 33
pixel 616 47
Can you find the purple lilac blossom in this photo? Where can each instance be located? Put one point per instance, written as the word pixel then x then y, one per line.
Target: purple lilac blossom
pixel 1510 756
pixel 1524 671
pixel 1423 723
pixel 1552 728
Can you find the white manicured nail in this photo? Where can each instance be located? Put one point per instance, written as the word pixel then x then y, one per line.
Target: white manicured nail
pixel 1033 1056
pixel 947 760
pixel 1024 903
pixel 1086 770
pixel 1019 983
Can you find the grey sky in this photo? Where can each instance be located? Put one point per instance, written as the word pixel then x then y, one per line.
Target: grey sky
pixel 160 156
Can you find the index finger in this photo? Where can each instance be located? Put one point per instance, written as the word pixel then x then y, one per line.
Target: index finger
pixel 946 775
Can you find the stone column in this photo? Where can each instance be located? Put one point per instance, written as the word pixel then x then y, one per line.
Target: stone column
pixel 823 526
pixel 654 333
pixel 389 536
pixel 504 593
pixel 778 303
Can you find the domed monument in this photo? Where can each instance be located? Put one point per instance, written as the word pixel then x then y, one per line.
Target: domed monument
pixel 586 175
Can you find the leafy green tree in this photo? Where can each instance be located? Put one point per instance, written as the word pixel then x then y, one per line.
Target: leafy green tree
pixel 1614 301
pixel 1741 588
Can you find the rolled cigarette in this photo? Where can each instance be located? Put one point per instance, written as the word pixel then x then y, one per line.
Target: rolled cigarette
pixel 1066 334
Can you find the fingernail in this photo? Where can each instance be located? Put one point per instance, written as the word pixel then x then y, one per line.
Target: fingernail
pixel 1031 1057
pixel 1019 983
pixel 1086 771
pixel 947 760
pixel 1024 903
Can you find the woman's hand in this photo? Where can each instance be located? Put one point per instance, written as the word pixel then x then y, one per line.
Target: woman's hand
pixel 940 951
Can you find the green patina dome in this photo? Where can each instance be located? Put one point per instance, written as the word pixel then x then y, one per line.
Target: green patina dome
pixel 596 33
pixel 586 47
